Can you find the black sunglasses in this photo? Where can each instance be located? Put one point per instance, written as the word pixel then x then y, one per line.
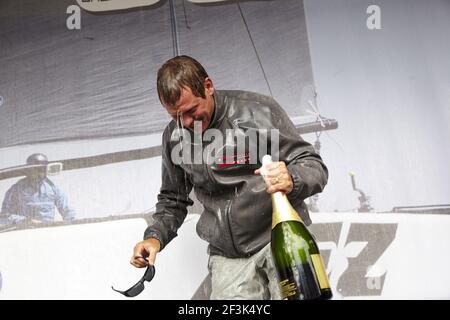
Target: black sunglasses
pixel 139 286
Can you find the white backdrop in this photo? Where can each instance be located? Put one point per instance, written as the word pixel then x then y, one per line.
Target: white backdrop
pixel 403 256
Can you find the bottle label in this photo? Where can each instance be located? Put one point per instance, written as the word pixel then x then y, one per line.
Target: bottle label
pixel 299 282
pixel 288 289
pixel 320 271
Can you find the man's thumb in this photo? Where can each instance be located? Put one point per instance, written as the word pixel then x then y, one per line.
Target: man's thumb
pixel 151 255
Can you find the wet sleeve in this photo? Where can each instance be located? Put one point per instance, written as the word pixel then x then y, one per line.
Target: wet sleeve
pixel 173 198
pixel 306 167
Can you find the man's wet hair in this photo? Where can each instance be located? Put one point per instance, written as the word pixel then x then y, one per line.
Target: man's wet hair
pixel 178 73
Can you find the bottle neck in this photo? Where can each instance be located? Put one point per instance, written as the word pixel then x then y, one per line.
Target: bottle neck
pixel 282 210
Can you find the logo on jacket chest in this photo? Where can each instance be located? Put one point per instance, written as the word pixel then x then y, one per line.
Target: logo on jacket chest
pixel 221 149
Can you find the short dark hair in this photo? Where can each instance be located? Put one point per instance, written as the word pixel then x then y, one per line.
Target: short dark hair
pixel 37 158
pixel 179 72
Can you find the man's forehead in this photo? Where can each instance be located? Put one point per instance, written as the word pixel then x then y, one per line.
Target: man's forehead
pixel 186 97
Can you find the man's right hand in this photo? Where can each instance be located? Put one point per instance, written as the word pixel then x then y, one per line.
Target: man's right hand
pixel 145 253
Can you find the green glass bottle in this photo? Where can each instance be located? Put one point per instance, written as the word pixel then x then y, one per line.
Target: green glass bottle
pixel 295 253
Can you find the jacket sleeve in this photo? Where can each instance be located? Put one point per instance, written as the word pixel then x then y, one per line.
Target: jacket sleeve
pixel 173 198
pixel 9 205
pixel 10 213
pixel 309 173
pixel 62 204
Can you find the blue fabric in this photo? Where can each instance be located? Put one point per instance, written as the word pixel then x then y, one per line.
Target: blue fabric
pixel 36 200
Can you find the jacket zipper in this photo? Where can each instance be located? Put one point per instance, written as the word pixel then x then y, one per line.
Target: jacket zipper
pixel 228 214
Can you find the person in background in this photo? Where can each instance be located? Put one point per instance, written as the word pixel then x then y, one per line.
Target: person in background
pixel 35 197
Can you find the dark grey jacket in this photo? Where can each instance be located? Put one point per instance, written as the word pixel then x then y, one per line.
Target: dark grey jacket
pixel 236 220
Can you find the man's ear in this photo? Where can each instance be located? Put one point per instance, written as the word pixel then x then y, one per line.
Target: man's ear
pixel 209 87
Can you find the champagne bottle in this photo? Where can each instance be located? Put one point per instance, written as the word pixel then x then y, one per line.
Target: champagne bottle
pixel 295 253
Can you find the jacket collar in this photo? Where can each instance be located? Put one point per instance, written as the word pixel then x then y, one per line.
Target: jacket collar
pixel 220 109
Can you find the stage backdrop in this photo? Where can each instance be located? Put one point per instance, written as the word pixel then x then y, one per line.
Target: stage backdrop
pixel 77 83
pixel 99 81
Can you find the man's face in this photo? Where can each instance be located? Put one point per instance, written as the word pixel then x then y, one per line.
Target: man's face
pixel 37 175
pixel 190 108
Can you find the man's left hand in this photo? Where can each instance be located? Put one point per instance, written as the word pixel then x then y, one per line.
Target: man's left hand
pixel 277 177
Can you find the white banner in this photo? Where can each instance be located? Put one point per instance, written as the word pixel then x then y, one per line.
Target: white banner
pixel 368 256
pixel 385 256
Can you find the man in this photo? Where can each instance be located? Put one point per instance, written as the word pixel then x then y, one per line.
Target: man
pixel 35 197
pixel 236 220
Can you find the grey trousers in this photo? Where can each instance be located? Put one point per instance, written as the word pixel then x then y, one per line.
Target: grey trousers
pixel 252 278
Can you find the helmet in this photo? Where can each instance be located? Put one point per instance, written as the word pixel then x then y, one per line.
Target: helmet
pixel 37 158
